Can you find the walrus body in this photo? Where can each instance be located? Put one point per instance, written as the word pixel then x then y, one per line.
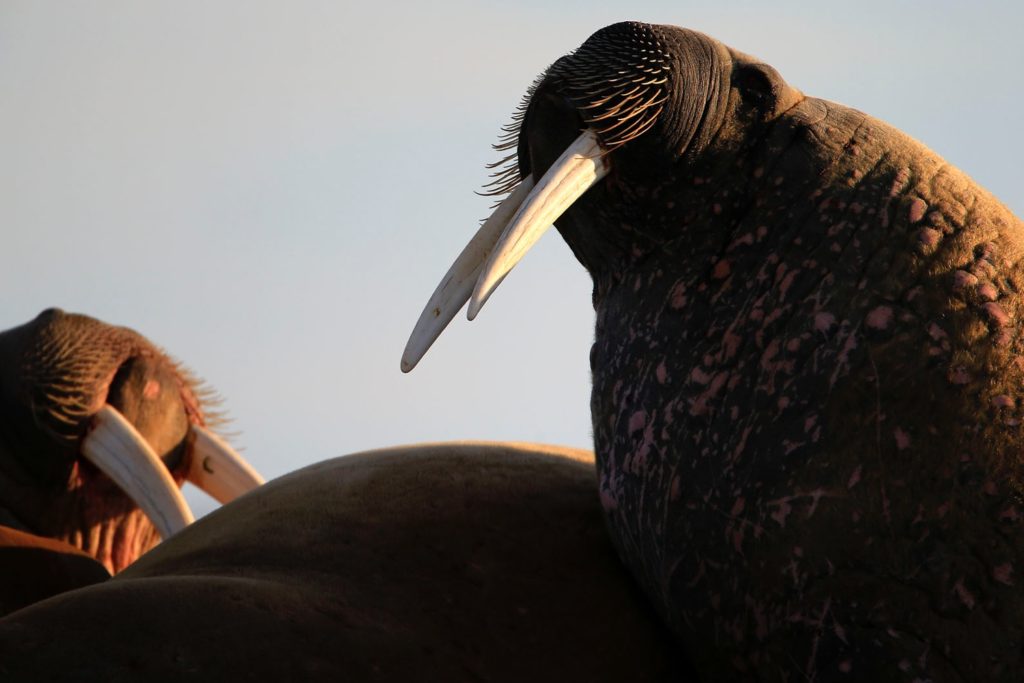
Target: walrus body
pixel 807 422
pixel 444 562
pixel 807 362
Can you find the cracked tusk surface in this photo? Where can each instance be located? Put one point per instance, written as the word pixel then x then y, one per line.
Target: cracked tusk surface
pixel 579 167
pixel 120 452
pixel 218 469
pixel 456 286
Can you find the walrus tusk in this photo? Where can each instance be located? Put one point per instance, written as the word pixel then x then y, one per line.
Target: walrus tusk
pixel 575 172
pixel 456 286
pixel 120 452
pixel 218 469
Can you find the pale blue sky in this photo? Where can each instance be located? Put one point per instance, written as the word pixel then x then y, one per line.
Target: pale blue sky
pixel 272 190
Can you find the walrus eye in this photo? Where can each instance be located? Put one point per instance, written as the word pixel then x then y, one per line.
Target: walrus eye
pixel 504 238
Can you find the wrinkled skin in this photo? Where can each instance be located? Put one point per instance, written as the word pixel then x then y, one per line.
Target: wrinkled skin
pixel 806 374
pixel 55 373
pixel 449 562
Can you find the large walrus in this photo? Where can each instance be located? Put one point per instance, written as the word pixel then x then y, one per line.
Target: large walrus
pixel 807 367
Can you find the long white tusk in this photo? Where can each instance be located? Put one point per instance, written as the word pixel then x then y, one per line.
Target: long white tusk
pixel 218 469
pixel 120 452
pixel 457 284
pixel 575 172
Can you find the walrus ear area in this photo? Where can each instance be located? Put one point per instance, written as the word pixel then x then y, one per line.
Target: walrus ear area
pixel 763 89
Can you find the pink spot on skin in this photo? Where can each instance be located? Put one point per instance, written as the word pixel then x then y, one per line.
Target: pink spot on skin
pixel 678 297
pixel 1002 574
pixel 744 240
pixel 966 597
pixel 809 423
pixel 824 321
pixel 929 238
pixel 959 375
pixel 854 478
pixel 717 208
pixel 769 354
pixel 731 344
pixel 700 404
pixel 793 345
pixel 608 501
pixel 782 403
pixel 738 506
pixel 637 421
pixel 879 318
pixel 964 280
pixel 902 439
pixel 790 446
pixel 988 292
pixel 787 282
pixel 845 666
pixel 674 491
pixel 661 373
pixel 990 488
pixel 151 390
pixel 936 332
pixel 917 209
pixel 699 376
pixel 1003 401
pixel 780 515
pixel 721 270
pixel 997 316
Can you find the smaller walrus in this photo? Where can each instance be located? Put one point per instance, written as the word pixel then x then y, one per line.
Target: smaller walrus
pixel 99 429
pixel 807 366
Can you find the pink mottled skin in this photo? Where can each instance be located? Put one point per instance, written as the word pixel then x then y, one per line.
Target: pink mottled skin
pixel 870 286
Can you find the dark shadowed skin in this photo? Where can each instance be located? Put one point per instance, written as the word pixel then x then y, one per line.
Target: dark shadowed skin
pixel 806 373
pixel 36 567
pixel 55 373
pixel 447 562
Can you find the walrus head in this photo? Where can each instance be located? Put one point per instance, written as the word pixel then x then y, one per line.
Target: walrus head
pixel 595 143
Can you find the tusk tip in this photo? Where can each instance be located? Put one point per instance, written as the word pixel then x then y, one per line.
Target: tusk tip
pixel 407 365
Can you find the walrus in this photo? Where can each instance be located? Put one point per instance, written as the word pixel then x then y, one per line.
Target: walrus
pixel 99 428
pixel 460 561
pixel 807 361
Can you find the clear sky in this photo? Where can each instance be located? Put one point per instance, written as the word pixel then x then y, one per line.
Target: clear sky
pixel 271 190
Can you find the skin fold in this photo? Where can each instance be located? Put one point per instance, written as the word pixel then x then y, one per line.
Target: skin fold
pixel 444 562
pixel 56 371
pixel 806 368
